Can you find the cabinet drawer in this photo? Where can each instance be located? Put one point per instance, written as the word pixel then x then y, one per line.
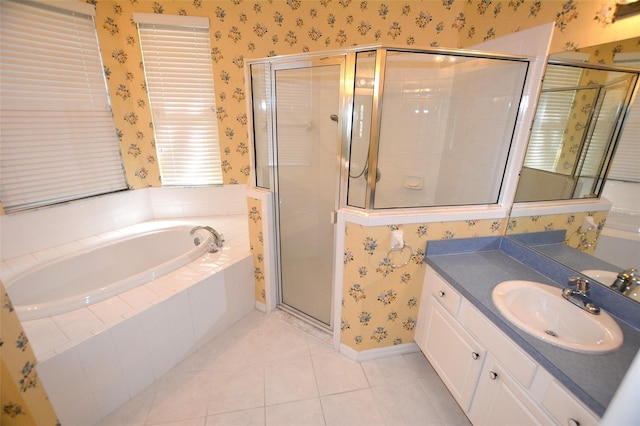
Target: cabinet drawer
pixel 565 409
pixel 519 364
pixel 442 291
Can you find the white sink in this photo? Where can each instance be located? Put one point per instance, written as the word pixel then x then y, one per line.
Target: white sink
pixel 541 311
pixel 604 277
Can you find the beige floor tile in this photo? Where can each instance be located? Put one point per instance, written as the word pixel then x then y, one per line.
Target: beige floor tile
pixel 289 380
pixel 196 421
pixel 264 370
pixel 251 417
pixel 336 373
pixel 284 341
pixel 307 412
pixel 405 403
pixel 420 365
pixel 236 388
pixel 351 409
pixel 387 370
pixel 446 406
pixel 180 396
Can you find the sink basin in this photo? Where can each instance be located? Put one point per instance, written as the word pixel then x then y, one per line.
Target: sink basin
pixel 541 311
pixel 604 277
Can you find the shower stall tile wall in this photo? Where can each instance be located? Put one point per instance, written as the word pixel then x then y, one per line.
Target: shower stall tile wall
pixel 33 231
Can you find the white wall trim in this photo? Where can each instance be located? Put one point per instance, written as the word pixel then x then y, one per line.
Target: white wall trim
pixel 371 354
pixel 423 215
pixel 261 307
pixel 560 207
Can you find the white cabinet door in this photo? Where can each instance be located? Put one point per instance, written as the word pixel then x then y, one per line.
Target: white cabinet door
pixel 453 353
pixel 499 400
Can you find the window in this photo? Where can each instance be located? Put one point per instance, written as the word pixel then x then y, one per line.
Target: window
pixel 177 62
pixel 625 161
pixel 58 140
pixel 552 116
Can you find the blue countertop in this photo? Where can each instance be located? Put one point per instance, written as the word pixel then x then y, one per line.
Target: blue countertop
pixel 474 266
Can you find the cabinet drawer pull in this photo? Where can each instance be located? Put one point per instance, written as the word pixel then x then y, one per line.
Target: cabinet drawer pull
pixel 493 375
pixel 573 422
pixel 441 293
pixel 475 355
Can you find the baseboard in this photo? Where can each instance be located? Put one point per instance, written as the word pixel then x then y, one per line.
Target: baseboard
pixel 261 307
pixel 370 354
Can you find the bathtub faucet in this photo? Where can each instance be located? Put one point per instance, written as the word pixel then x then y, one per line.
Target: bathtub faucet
pixel 218 239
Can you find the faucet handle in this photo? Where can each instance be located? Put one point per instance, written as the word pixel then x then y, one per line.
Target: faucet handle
pixel 581 284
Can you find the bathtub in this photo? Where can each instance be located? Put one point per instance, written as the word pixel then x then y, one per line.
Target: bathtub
pixel 97 273
pixel 619 241
pixel 98 348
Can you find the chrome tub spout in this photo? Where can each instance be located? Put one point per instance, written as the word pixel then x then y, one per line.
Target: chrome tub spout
pixel 218 239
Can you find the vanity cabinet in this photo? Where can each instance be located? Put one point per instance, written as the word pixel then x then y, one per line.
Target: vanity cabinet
pixel 455 355
pixel 501 400
pixel 491 378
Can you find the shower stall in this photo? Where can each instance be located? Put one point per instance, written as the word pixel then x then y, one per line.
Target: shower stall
pixel 373 128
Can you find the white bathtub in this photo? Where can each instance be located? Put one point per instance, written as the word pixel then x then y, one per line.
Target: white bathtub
pixel 97 273
pixel 94 358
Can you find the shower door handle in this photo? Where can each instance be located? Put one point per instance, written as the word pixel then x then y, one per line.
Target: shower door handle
pixel 334 217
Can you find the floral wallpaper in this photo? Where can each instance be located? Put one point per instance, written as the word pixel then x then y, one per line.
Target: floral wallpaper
pixel 243 29
pixel 257 247
pixel 381 295
pixel 22 398
pixel 379 300
pixel 571 222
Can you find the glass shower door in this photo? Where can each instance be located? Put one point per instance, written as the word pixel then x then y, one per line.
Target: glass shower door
pixel 307 152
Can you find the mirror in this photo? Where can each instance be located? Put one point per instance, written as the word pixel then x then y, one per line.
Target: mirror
pixel 578 119
pixel 618 245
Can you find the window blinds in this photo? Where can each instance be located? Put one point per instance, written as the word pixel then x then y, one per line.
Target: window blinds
pixel 547 133
pixel 58 140
pixel 627 156
pixel 177 64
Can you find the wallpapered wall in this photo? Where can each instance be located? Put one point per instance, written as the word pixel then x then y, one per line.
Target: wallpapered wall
pixel 243 29
pixel 23 399
pixel 256 242
pixel 380 303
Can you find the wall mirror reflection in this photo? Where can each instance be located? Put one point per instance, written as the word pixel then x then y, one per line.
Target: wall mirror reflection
pixel 578 121
pixel 618 237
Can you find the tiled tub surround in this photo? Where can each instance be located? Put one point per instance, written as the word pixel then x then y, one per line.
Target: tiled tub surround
pixel 92 360
pixel 475 266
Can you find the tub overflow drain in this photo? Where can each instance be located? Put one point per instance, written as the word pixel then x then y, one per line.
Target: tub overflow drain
pixel 551 333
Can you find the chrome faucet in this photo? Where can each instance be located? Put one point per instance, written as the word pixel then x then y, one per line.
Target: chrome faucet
pixel 218 239
pixel 578 294
pixel 626 281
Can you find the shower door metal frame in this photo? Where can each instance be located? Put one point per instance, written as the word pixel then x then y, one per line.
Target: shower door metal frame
pixel 346 61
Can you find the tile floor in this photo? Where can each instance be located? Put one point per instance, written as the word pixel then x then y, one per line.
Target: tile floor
pixel 266 371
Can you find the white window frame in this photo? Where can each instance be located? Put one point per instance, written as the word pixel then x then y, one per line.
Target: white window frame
pixel 176 53
pixel 58 140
